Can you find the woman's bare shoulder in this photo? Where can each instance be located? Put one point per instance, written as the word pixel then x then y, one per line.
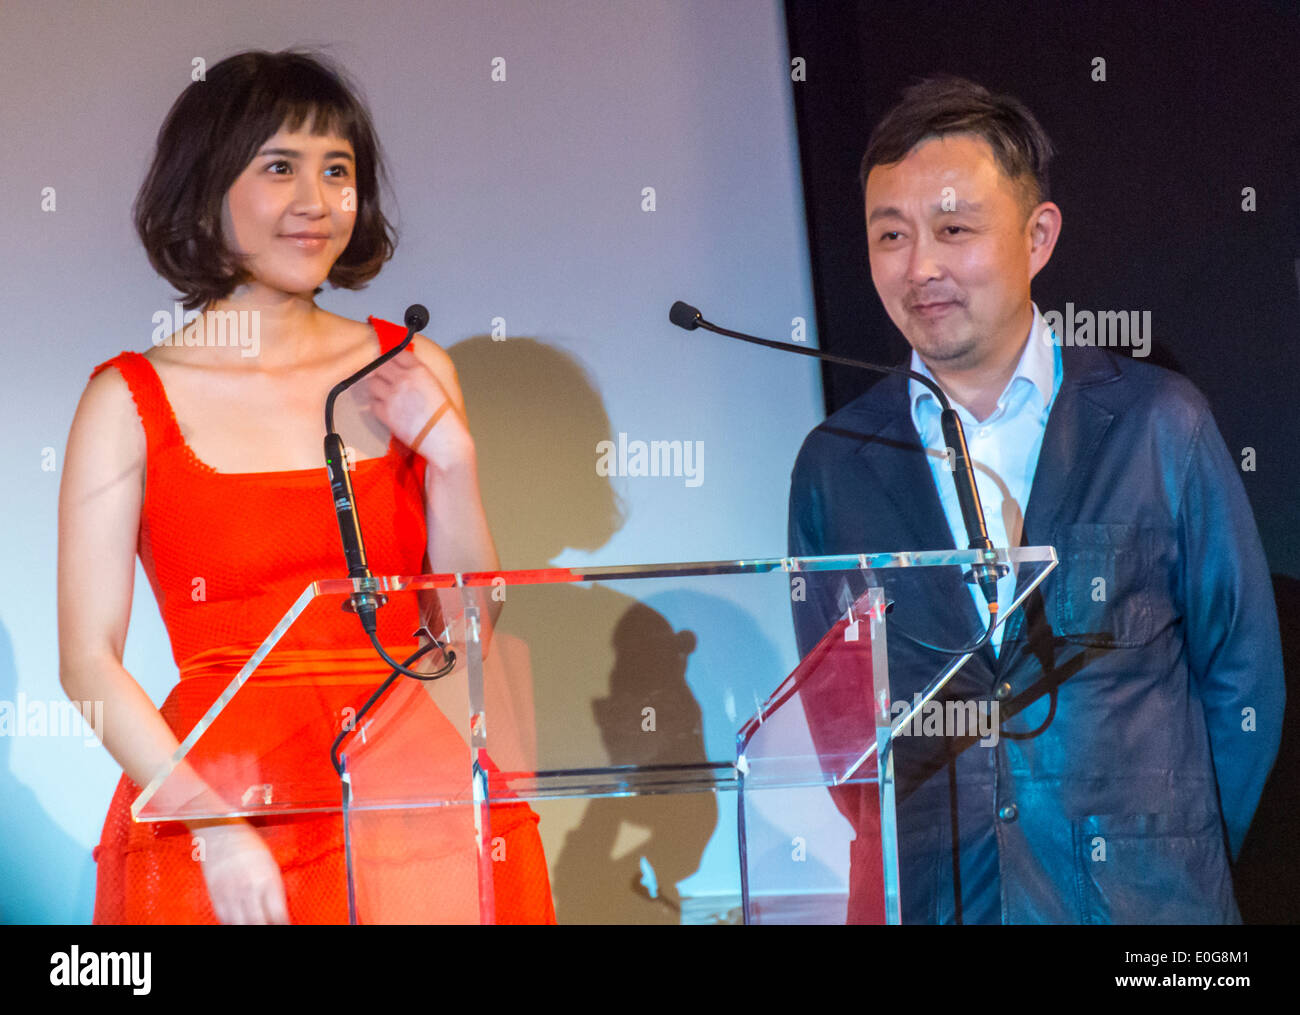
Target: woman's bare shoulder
pixel 351 339
pixel 108 415
pixel 435 357
pixel 107 390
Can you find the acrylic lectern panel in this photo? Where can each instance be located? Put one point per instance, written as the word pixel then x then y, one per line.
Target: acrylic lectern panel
pixel 263 742
pixel 418 849
pixel 687 765
pixel 899 629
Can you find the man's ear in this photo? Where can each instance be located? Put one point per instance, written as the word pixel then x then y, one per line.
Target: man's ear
pixel 1042 229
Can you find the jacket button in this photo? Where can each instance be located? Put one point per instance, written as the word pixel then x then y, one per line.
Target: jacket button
pixel 1008 813
pixel 1003 692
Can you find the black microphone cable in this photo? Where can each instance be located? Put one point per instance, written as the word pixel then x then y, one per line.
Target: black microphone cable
pixel 378 693
pixel 985 574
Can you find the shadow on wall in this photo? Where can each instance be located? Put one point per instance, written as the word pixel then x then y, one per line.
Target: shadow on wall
pixel 582 662
pixel 536 419
pixel 649 671
pixel 46 876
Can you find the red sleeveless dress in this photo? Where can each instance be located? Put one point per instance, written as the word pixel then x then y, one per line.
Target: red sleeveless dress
pixel 257 540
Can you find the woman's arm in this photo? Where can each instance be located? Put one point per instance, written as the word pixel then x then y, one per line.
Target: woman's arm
pixel 100 501
pixel 459 538
pixel 405 393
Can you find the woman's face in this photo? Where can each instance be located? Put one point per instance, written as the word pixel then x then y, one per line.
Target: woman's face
pixel 292 209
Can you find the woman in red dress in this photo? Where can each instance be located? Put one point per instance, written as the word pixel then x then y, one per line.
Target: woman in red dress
pixel 205 458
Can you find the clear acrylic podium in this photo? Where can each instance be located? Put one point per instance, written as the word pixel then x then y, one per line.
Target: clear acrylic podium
pixel 688 766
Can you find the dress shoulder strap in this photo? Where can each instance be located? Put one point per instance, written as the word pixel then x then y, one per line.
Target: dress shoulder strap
pixel 389 333
pixel 160 427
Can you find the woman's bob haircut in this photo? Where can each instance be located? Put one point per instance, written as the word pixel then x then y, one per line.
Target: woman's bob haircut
pixel 211 134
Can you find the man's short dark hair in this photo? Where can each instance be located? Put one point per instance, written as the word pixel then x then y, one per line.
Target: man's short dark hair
pixel 211 134
pixel 952 105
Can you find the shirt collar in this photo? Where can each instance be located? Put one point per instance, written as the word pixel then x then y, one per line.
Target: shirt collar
pixel 1037 366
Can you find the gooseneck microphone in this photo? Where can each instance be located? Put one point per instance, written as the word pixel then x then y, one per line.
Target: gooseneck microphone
pixel 986 574
pixel 366 603
pixel 345 506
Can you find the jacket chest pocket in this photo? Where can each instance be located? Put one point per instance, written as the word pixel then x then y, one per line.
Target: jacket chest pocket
pixel 1109 590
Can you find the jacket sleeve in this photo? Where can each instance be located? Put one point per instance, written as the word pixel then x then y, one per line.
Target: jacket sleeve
pixel 814 607
pixel 815 611
pixel 1233 644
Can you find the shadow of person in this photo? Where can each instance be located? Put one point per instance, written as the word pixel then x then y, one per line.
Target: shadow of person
pixel 536 419
pixel 46 876
pixel 649 718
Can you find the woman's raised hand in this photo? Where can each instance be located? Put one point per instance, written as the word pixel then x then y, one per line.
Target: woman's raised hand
pixel 404 394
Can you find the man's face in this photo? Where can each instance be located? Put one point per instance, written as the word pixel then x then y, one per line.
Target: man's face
pixel 951 253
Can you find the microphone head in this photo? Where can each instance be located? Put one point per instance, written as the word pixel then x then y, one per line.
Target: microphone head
pixel 684 316
pixel 416 317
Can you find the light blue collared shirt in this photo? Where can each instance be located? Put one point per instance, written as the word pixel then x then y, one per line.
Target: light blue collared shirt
pixel 1003 449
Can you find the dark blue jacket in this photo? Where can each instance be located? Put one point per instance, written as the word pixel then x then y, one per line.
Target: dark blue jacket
pixel 1138 727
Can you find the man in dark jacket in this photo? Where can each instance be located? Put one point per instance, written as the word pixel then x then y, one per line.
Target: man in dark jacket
pixel 1140 688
